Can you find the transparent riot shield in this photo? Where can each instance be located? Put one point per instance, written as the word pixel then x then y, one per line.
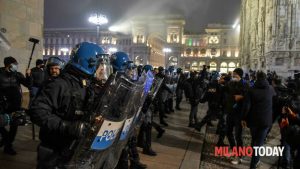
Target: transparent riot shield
pixel 142 89
pixel 107 121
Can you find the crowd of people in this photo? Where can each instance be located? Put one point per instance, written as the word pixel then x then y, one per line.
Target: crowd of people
pixel 255 100
pixel 61 93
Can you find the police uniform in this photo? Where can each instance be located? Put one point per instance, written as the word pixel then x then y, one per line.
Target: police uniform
pixel 58 110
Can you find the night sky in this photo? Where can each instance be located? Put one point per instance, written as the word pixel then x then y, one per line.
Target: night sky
pixel 198 13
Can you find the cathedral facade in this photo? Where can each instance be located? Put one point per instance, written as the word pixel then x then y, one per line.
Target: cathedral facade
pixel 270 35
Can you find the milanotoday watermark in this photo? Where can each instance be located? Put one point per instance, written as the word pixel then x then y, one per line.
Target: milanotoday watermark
pixel 248 151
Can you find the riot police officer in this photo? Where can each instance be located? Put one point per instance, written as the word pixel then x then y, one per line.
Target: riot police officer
pixel 162 95
pixel 54 66
pixel 122 65
pixel 60 105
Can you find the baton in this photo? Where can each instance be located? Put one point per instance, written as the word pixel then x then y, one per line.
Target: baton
pixel 34 41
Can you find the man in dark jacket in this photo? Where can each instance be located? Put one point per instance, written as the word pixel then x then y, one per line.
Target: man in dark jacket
pixel 60 106
pixel 258 112
pixel 10 87
pixel 179 88
pixel 235 91
pixel 38 77
pixel 162 96
pixel 213 96
pixel 194 95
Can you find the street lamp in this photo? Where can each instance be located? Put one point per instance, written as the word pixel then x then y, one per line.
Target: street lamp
pixel 98 19
pixel 166 51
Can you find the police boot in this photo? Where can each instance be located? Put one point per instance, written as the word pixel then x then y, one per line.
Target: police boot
pixel 198 126
pixel 163 122
pixel 177 107
pixel 149 152
pixel 137 165
pixel 160 133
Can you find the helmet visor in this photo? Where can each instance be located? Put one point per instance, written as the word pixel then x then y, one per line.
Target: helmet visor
pixel 104 68
pixel 55 61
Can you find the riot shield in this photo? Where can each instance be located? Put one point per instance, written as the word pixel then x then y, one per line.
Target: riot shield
pixel 141 91
pixel 107 120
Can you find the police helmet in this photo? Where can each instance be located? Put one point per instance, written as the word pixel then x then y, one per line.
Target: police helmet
pixel 55 61
pixel 120 62
pixel 147 68
pixel 178 70
pixel 85 57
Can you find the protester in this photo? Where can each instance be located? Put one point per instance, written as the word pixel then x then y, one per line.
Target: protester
pixel 10 88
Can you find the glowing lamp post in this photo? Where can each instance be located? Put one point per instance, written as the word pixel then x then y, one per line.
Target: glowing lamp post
pixel 98 20
pixel 166 51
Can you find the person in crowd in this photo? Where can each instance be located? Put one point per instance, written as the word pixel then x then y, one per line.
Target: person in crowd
pixel 257 112
pixel 162 96
pixel 171 82
pixel 179 88
pixel 55 108
pixel 222 126
pixel 194 94
pixel 145 134
pixel 54 67
pixel 10 88
pixel 213 96
pixel 289 124
pixel 235 91
pixel 38 77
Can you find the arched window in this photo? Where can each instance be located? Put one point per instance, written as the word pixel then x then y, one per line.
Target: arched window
pixel 213 66
pixel 188 51
pixel 195 51
pixel 224 67
pixel 201 65
pixel 194 65
pixel 231 66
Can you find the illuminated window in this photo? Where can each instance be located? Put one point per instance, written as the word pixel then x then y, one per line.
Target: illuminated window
pixel 140 38
pixel 188 51
pixel 195 52
pixel 203 52
pixel 201 64
pixel 53 52
pixel 236 53
pixel 228 53
pixel 173 38
pixel 44 52
pixel 213 66
pixel 231 66
pixel 194 66
pixel 223 68
pixel 190 42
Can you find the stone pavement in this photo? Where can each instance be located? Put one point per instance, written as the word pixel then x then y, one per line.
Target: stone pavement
pixel 180 147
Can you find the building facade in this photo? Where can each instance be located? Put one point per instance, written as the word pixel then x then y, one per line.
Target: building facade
pixel 148 40
pixel 19 21
pixel 60 41
pixel 216 47
pixel 270 35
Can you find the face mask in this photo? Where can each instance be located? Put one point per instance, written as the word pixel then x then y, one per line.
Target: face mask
pixel 235 79
pixel 13 68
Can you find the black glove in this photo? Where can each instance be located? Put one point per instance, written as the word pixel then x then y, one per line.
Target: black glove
pixel 76 129
pixel 18 118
